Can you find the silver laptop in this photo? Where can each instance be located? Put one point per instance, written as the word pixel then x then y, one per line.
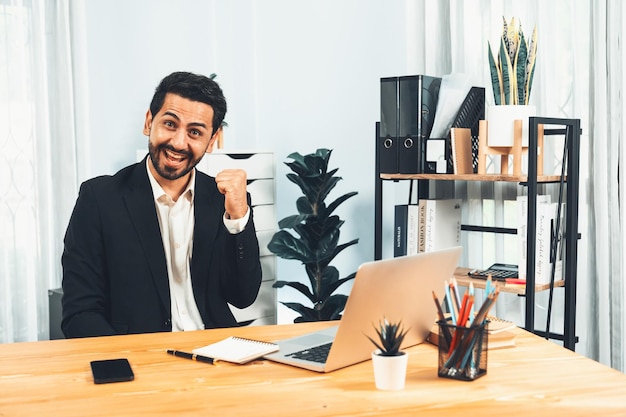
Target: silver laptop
pixel 396 289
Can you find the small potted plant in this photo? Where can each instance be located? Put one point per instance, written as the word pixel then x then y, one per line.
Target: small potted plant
pixel 390 363
pixel 512 68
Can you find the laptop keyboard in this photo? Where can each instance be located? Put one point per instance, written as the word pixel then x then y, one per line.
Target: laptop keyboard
pixel 314 354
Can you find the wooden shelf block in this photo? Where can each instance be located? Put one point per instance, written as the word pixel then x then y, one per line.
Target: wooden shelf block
pixel 505 151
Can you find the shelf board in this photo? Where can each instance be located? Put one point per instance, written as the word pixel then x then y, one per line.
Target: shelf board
pixel 464 280
pixel 470 177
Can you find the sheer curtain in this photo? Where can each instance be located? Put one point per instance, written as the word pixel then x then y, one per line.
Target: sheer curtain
pixel 607 131
pixel 578 75
pixel 37 162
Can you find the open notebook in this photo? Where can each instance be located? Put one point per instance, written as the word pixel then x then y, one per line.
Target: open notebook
pixel 236 349
pixel 396 289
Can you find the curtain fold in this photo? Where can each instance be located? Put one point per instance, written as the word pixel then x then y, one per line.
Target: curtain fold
pixel 607 116
pixel 38 162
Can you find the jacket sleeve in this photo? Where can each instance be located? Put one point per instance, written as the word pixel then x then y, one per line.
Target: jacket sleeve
pixel 242 278
pixel 85 306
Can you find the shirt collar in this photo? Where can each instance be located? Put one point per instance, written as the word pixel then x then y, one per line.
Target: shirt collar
pixel 157 190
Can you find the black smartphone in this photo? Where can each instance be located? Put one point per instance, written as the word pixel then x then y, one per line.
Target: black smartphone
pixel 111 370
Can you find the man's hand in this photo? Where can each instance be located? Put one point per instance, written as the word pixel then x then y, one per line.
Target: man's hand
pixel 232 183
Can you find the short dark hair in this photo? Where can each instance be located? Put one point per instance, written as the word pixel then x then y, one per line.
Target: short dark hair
pixel 193 87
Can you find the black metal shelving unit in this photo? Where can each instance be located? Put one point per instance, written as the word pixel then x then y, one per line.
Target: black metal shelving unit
pixel 570 129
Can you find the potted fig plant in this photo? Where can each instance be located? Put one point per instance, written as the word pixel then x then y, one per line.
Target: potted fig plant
pixel 512 71
pixel 389 361
pixel 312 237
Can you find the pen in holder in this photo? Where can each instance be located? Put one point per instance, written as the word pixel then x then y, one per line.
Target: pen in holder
pixel 462 351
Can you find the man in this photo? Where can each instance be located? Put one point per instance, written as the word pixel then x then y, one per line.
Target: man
pixel 160 246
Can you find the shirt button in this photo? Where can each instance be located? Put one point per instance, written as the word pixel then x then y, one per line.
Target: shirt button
pixel 177 245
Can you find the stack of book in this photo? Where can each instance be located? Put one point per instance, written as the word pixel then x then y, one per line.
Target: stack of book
pixel 427 226
pixel 548 248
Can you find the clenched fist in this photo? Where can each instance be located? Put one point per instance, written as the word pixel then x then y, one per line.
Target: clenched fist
pixel 232 183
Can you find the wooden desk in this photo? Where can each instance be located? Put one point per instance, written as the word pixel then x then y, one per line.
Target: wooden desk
pixel 536 378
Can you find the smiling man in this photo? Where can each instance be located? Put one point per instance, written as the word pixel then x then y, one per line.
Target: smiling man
pixel 160 246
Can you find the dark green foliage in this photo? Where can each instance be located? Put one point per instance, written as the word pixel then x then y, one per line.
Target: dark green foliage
pixel 512 71
pixel 390 337
pixel 315 237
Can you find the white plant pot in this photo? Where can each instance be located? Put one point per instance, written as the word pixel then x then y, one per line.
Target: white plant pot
pixel 390 371
pixel 501 120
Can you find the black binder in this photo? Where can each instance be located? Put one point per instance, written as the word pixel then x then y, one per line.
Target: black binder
pixel 388 136
pixel 418 96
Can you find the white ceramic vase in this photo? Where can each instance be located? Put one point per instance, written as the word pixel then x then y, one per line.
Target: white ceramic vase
pixel 501 120
pixel 390 371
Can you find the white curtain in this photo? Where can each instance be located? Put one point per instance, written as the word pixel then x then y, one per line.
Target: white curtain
pixel 578 75
pixel 37 162
pixel 606 314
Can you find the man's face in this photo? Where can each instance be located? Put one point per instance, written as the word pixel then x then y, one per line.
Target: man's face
pixel 180 134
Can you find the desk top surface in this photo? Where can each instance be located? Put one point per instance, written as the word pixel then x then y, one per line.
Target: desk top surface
pixel 534 378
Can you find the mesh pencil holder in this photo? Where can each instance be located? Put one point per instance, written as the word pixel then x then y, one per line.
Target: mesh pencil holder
pixel 462 351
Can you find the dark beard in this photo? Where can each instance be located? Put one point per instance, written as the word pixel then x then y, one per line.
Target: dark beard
pixel 155 156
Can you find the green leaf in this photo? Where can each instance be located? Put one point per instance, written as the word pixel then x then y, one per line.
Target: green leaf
pixel 307 234
pixel 343 246
pixel 290 221
pixel 329 286
pixel 298 286
pixel 505 63
pixel 496 78
pixel 331 309
pixel 324 226
pixel 306 313
pixel 530 66
pixel 332 206
pixel 520 70
pixel 327 244
pixel 287 246
pixel 304 206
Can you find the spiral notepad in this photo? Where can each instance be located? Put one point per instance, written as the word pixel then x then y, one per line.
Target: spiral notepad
pixel 237 349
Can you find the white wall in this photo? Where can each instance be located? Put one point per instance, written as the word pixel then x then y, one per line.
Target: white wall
pixel 297 76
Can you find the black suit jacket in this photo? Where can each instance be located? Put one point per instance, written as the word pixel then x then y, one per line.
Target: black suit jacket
pixel 114 270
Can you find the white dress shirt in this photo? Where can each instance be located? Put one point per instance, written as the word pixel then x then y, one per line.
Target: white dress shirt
pixel 176 220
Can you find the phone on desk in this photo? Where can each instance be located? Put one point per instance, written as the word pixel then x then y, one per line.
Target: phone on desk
pixel 111 370
pixel 498 272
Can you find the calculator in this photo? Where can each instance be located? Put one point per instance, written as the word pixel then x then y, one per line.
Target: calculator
pixel 499 272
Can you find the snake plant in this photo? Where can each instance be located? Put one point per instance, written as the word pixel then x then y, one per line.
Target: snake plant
pixel 513 69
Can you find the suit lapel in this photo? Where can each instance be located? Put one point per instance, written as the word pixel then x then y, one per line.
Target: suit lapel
pixel 208 211
pixel 139 201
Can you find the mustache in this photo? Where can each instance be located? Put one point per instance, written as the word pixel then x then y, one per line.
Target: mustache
pixel 184 152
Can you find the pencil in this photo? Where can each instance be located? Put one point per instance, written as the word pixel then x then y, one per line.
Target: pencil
pixel 442 317
pixel 462 311
pixel 471 291
pixel 488 285
pixel 456 303
pixel 449 302
pixel 456 291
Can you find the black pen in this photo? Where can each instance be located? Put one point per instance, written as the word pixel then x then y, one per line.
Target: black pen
pixel 191 356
